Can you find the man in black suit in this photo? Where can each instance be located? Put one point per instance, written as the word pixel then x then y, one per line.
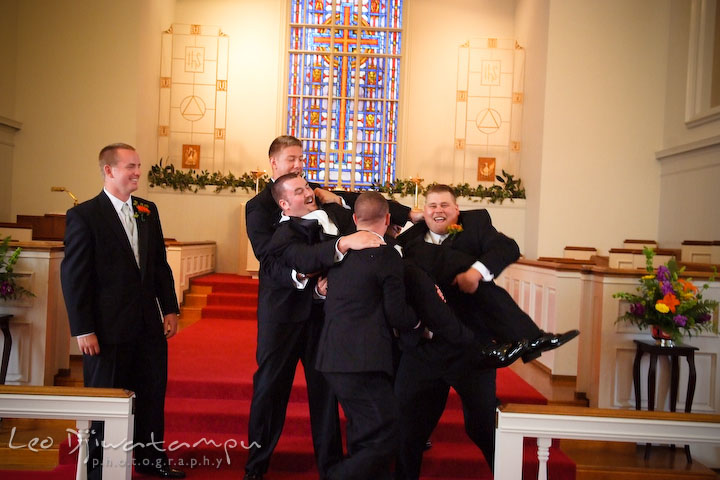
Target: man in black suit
pixel 289 324
pixel 121 303
pixel 365 300
pixel 463 249
pixel 460 249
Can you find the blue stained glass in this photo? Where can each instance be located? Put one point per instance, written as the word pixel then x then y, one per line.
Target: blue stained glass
pixel 341 105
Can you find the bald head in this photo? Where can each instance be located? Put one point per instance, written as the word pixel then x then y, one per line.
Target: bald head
pixel 372 212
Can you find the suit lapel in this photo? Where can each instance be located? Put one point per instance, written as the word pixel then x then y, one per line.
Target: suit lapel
pixel 111 219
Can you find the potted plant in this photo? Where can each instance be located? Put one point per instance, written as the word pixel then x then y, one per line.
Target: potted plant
pixel 9 289
pixel 670 305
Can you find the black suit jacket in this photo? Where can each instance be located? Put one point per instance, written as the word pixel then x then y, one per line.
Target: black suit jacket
pixel 301 245
pixel 479 241
pixel 366 297
pixel 105 291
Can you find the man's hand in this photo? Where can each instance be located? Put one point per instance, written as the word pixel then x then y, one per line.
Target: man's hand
pixel 326 196
pixel 89 344
pixel 359 241
pixel 468 281
pixel 170 324
pixel 415 215
pixel 322 285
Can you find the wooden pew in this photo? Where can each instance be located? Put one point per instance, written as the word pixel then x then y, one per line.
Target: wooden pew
pixel 546 422
pixel 113 406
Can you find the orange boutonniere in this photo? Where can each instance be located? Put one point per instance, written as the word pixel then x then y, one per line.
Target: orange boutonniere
pixel 454 229
pixel 142 210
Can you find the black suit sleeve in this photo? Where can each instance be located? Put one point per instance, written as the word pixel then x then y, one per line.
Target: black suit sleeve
pixel 164 284
pixel 77 274
pixel 292 249
pixel 494 250
pixel 260 224
pixel 397 312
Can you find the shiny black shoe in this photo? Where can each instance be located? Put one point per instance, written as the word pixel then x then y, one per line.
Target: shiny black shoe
pixel 548 341
pixel 499 356
pixel 162 471
pixel 253 476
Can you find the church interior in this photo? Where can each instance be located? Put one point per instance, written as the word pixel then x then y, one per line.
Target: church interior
pixel 607 112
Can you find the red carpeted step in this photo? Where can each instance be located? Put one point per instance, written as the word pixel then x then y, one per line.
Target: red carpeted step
pixel 225 282
pixel 231 298
pixel 235 312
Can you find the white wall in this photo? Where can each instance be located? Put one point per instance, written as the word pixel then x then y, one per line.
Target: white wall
pixel 689 192
pixel 8 54
pixel 604 105
pixel 434 32
pixel 531 31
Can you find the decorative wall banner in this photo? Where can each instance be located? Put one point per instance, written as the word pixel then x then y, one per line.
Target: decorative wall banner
pixel 488 112
pixel 193 96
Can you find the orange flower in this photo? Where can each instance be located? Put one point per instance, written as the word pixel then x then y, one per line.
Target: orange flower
pixel 687 286
pixel 454 229
pixel 143 209
pixel 670 301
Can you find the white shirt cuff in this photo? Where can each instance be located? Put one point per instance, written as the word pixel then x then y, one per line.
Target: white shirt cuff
pixel 338 255
pixel 487 276
pixel 299 284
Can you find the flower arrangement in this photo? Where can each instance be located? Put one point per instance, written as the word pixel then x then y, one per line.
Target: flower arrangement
pixel 9 290
pixel 142 210
pixel 668 303
pixel 454 229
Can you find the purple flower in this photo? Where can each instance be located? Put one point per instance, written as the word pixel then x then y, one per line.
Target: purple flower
pixel 666 288
pixel 704 318
pixel 663 273
pixel 6 289
pixel 637 309
pixel 680 320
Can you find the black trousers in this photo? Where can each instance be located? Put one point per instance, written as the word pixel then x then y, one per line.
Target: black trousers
pixel 502 315
pixel 422 385
pixel 280 347
pixel 140 366
pixel 371 409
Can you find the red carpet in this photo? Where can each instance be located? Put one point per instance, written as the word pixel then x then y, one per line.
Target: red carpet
pixel 211 364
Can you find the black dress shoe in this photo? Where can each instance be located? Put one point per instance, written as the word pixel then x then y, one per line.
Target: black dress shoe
pixel 499 356
pixel 548 341
pixel 162 471
pixel 253 476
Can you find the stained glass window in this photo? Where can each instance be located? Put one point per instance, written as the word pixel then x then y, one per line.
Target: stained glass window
pixel 344 88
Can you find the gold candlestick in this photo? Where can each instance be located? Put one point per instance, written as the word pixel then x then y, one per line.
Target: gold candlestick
pixel 257 174
pixel 417 181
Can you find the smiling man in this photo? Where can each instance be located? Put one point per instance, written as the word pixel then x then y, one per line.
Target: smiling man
pixel 114 276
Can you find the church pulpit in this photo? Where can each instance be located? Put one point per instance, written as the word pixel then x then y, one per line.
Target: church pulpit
pixel 50 226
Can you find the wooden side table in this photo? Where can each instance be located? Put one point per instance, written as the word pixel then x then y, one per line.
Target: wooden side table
pixel 679 350
pixel 7 345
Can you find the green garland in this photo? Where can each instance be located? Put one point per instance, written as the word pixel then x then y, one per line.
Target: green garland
pixel 509 188
pixel 168 176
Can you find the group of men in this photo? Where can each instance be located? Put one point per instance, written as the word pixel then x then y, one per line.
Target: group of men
pixel 339 293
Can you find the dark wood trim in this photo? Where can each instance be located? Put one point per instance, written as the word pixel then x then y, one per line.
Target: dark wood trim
pixel 65 391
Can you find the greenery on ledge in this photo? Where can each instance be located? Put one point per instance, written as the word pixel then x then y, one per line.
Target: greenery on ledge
pixel 190 180
pixel 509 187
pixel 168 176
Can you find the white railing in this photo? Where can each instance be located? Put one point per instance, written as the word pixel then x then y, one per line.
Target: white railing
pixel 113 406
pixel 546 422
pixel 188 260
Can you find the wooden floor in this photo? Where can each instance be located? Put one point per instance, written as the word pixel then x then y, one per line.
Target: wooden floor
pixel 595 460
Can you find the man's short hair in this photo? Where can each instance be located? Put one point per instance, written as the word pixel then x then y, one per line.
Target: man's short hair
pixel 281 142
pixel 278 187
pixel 107 154
pixel 370 207
pixel 440 188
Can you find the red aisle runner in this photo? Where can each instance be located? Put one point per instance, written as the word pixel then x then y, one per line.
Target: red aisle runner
pixel 211 364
